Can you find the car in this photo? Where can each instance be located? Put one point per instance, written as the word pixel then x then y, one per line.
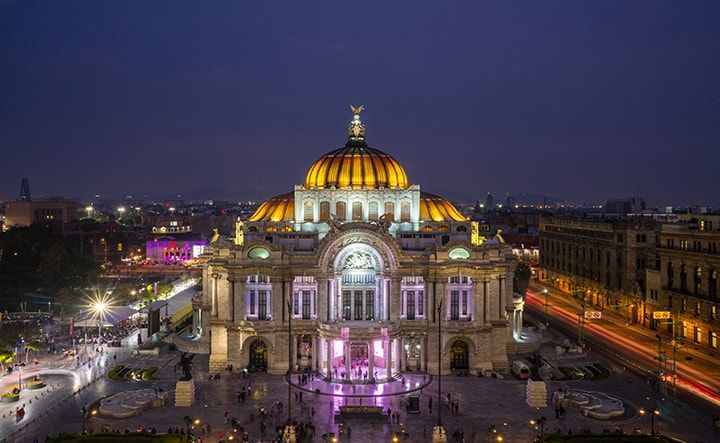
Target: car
pixel 520 369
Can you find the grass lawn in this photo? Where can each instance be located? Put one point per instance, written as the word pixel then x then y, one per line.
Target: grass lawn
pixel 122 373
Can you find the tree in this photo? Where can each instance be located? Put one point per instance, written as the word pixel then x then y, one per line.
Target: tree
pixel 521 278
pixel 6 358
pixel 32 346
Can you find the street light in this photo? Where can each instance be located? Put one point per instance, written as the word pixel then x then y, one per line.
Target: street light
pixel 541 423
pixel 289 432
pixel 547 322
pixel 653 412
pixel 439 434
pixel 99 307
pixel 83 412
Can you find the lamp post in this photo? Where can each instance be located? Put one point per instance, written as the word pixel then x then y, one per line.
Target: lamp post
pixel 541 423
pixel 653 412
pixel 100 307
pixel 439 435
pixel 289 432
pixel 83 412
pixel 547 322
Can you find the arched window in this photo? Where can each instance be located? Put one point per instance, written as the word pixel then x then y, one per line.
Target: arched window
pixel 324 211
pixel 308 211
pixel 357 211
pixel 340 212
pixel 390 211
pixel 372 211
pixel 405 211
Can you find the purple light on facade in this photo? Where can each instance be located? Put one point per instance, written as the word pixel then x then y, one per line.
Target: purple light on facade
pixel 174 251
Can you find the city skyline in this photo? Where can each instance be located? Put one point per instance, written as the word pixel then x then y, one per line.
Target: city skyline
pixel 540 91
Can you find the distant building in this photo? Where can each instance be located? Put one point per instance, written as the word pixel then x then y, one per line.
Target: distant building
pixel 489 201
pixel 625 206
pixel 685 283
pixel 600 261
pixel 103 241
pixel 170 249
pixel 24 191
pixel 25 213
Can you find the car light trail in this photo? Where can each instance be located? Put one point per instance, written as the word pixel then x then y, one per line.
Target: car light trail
pixel 693 381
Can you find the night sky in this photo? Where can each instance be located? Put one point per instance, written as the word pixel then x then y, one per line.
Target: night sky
pixel 579 100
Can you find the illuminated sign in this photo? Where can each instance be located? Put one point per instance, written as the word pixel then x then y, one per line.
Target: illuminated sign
pixel 593 315
pixel 661 315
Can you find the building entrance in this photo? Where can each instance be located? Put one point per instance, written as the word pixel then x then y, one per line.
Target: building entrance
pixel 258 355
pixel 459 356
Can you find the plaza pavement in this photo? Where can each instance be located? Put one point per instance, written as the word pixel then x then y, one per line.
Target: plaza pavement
pixel 482 402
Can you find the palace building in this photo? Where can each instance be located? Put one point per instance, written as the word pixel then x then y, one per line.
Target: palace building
pixel 365 265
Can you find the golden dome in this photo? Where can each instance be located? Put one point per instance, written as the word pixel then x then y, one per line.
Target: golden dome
pixel 356 166
pixel 276 209
pixel 437 209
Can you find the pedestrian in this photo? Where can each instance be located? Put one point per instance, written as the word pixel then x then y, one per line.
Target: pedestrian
pixel 430 404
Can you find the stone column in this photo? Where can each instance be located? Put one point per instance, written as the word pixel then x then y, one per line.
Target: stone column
pixel 231 298
pixel 395 298
pixel 294 342
pixel 492 299
pixel 239 296
pixel 477 301
pixel 347 360
pixel 328 354
pixel 371 360
pixel 321 299
pixel 277 308
pixel 315 354
pixel 391 363
pixel 386 295
pixel 441 295
pixel 214 294
pixel 403 355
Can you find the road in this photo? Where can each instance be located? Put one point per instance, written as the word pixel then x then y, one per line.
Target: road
pixel 699 376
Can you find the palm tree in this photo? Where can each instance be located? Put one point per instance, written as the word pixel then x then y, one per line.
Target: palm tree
pixel 6 358
pixel 32 346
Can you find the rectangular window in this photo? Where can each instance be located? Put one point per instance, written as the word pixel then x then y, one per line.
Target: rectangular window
pixel 347 307
pixel 390 211
pixel 324 211
pixel 357 211
pixel 340 211
pixel 358 305
pixel 465 303
pixel 369 305
pixel 308 211
pixel 262 305
pixel 252 302
pixel 713 312
pixel 713 340
pixel 306 305
pixel 372 211
pixel 405 211
pixel 296 303
pixel 454 305
pixel 420 304
pixel 698 334
pixel 410 303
